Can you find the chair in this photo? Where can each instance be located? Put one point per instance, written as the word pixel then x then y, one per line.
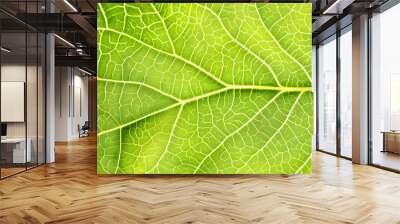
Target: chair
pixel 84 130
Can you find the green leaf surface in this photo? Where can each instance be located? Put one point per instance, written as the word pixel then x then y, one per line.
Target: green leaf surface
pixel 217 88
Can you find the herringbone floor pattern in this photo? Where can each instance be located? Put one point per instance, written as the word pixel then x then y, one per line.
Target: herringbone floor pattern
pixel 70 191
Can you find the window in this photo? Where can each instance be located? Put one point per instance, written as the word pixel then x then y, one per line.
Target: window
pixel 22 77
pixel 385 89
pixel 346 92
pixel 327 96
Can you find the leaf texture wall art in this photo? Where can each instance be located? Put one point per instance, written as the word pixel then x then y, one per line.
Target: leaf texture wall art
pixel 204 88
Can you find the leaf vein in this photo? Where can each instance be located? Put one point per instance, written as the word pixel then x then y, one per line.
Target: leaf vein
pixel 169 140
pixel 165 27
pixel 236 131
pixel 141 84
pixel 276 132
pixel 242 45
pixel 280 46
pixel 167 53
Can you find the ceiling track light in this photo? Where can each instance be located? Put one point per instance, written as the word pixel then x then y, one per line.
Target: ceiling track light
pixel 84 71
pixel 337 7
pixel 70 6
pixel 64 40
pixel 5 50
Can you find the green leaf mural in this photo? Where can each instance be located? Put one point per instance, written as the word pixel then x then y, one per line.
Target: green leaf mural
pixel 204 88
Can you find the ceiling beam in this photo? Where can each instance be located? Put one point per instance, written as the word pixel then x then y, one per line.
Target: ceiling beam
pixel 81 61
pixel 320 22
pixel 86 27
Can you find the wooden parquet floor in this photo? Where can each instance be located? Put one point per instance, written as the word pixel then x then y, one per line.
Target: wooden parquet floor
pixel 70 191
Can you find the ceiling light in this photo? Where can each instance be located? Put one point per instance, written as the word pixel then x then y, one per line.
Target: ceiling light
pixel 65 41
pixel 70 5
pixel 337 7
pixel 5 50
pixel 84 71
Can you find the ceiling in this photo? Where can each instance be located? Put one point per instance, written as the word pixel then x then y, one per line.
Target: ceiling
pixel 74 21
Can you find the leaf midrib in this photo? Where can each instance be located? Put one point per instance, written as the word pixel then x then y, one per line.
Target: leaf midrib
pixel 209 94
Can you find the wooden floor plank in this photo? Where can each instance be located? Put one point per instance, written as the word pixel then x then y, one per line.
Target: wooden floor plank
pixel 70 191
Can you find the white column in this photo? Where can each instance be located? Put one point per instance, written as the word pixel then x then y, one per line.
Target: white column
pixel 50 92
pixel 50 100
pixel 360 90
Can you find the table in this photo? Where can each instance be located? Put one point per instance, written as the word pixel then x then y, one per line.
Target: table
pixel 16 147
pixel 391 141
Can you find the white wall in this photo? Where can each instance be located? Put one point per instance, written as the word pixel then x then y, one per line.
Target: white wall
pixel 83 82
pixel 62 82
pixel 71 96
